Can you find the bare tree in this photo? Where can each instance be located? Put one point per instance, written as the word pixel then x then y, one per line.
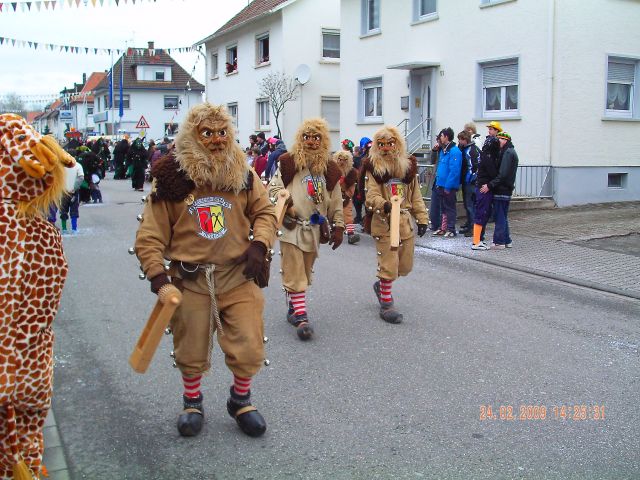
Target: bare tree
pixel 12 103
pixel 279 88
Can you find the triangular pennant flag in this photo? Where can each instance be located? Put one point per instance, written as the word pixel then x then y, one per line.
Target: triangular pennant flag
pixel 133 1
pixel 1 40
pixel 117 1
pixel 93 2
pixel 46 4
pixel 66 48
pixel 95 51
pixel 70 3
pixel 101 2
pixel 86 50
pixel 29 5
pixel 39 5
pixel 0 8
pixel 77 3
pixel 13 42
pixel 30 44
pixel 35 45
pixel 109 51
pixel 23 6
pixel 53 5
pixel 14 5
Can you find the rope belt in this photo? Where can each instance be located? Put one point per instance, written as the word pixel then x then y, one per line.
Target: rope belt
pixel 214 315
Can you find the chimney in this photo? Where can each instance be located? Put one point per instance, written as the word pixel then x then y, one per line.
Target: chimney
pixel 150 45
pixel 84 78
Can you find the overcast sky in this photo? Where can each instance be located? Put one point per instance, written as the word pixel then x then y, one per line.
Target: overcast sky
pixel 169 23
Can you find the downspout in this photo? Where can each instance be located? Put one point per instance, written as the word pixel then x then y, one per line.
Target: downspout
pixel 551 32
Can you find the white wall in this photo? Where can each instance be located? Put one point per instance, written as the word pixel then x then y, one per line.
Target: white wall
pixel 298 41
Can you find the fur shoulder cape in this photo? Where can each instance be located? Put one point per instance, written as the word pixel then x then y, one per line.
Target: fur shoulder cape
pixel 172 184
pixel 351 178
pixel 288 171
pixel 367 168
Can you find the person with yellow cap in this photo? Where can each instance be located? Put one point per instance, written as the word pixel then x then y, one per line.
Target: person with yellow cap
pixel 502 187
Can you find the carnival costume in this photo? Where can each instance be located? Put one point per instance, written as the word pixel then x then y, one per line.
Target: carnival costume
pixel 314 217
pixel 210 216
pixel 32 273
pixel 388 172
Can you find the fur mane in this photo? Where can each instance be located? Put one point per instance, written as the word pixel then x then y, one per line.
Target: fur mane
pixel 225 171
pixel 397 166
pixel 316 162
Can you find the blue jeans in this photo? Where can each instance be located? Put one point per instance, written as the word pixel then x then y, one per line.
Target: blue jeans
pixel 435 212
pixel 469 197
pixel 501 210
pixel 448 206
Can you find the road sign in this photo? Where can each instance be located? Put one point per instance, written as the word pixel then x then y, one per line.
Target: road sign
pixel 142 123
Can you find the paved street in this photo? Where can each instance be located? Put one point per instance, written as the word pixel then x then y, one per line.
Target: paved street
pixel 366 399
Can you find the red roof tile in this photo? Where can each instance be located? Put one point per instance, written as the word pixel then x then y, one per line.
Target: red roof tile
pixel 255 9
pixel 92 82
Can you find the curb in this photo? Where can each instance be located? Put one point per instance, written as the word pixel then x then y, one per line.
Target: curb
pixel 541 273
pixel 54 456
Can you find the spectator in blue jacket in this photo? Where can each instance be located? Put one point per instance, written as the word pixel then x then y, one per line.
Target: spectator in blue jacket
pixel 272 163
pixel 448 181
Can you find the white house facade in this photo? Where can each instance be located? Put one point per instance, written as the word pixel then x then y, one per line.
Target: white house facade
pixel 300 38
pixel 156 95
pixel 562 77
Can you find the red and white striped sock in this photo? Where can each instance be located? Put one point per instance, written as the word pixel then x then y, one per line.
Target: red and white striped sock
pixel 351 228
pixel 385 290
pixel 241 386
pixel 443 223
pixel 191 385
pixel 298 302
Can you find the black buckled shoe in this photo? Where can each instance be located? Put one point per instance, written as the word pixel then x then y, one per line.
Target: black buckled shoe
pixel 376 288
pixel 291 314
pixel 390 315
pixel 246 415
pixel 191 419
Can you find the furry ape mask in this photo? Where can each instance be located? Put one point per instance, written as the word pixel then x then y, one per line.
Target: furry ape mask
pixel 311 146
pixel 207 151
pixel 344 159
pixel 388 153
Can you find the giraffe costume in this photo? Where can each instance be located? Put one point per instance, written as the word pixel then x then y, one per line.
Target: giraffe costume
pixel 32 274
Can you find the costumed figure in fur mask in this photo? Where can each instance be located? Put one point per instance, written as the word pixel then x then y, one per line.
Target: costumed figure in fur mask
pixel 314 217
pixel 348 182
pixel 32 273
pixel 388 171
pixel 137 159
pixel 209 214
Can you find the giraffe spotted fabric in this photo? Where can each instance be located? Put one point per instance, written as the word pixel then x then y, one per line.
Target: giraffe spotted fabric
pixel 32 273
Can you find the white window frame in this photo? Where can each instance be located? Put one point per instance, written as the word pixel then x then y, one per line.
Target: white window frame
pixel 335 32
pixel 484 84
pixel 333 126
pixel 259 49
pixel 491 3
pixel 232 108
pixel 177 97
pixel 419 16
pixel 155 75
pixel 126 101
pixel 367 28
pixel 634 101
pixel 374 83
pixel 214 65
pixel 229 57
pixel 263 112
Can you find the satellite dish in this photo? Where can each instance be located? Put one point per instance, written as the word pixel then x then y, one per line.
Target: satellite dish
pixel 302 74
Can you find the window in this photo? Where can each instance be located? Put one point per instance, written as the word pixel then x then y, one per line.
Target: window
pixel 232 59
pixel 423 9
pixel 330 43
pixel 370 16
pixel 170 128
pixel 214 65
pixel 263 114
pixel 370 100
pixel 262 48
pixel 621 79
pixel 233 111
pixel 159 75
pixel 616 180
pixel 500 88
pixel 125 101
pixel 171 102
pixel 89 109
pixel 330 111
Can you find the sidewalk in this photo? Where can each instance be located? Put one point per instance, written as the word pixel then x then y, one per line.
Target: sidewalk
pixel 595 246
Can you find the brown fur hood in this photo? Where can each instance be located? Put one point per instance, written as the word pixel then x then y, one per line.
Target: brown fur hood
pixel 367 169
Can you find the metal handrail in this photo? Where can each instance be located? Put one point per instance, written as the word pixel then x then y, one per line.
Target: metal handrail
pixel 415 145
pixel 406 124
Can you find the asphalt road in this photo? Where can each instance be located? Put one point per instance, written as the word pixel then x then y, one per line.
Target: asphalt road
pixel 364 399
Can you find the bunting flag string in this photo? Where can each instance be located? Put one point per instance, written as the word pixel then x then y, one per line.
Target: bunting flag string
pixel 14 42
pixel 25 6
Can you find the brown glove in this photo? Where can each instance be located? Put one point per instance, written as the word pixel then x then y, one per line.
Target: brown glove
pixel 336 237
pixel 254 256
pixel 158 282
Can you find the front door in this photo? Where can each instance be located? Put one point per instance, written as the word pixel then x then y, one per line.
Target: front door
pixel 420 88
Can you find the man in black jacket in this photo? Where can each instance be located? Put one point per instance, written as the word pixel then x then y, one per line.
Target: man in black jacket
pixel 502 187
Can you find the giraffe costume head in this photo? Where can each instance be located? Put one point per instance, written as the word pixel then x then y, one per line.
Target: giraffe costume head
pixel 31 166
pixel 32 273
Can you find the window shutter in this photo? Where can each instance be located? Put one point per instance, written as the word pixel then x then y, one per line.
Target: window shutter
pixel 621 72
pixel 500 75
pixel 331 112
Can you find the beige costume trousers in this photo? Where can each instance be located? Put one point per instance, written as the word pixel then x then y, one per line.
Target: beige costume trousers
pixel 394 264
pixel 296 267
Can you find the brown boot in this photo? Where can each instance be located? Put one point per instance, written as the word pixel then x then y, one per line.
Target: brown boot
pixel 390 314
